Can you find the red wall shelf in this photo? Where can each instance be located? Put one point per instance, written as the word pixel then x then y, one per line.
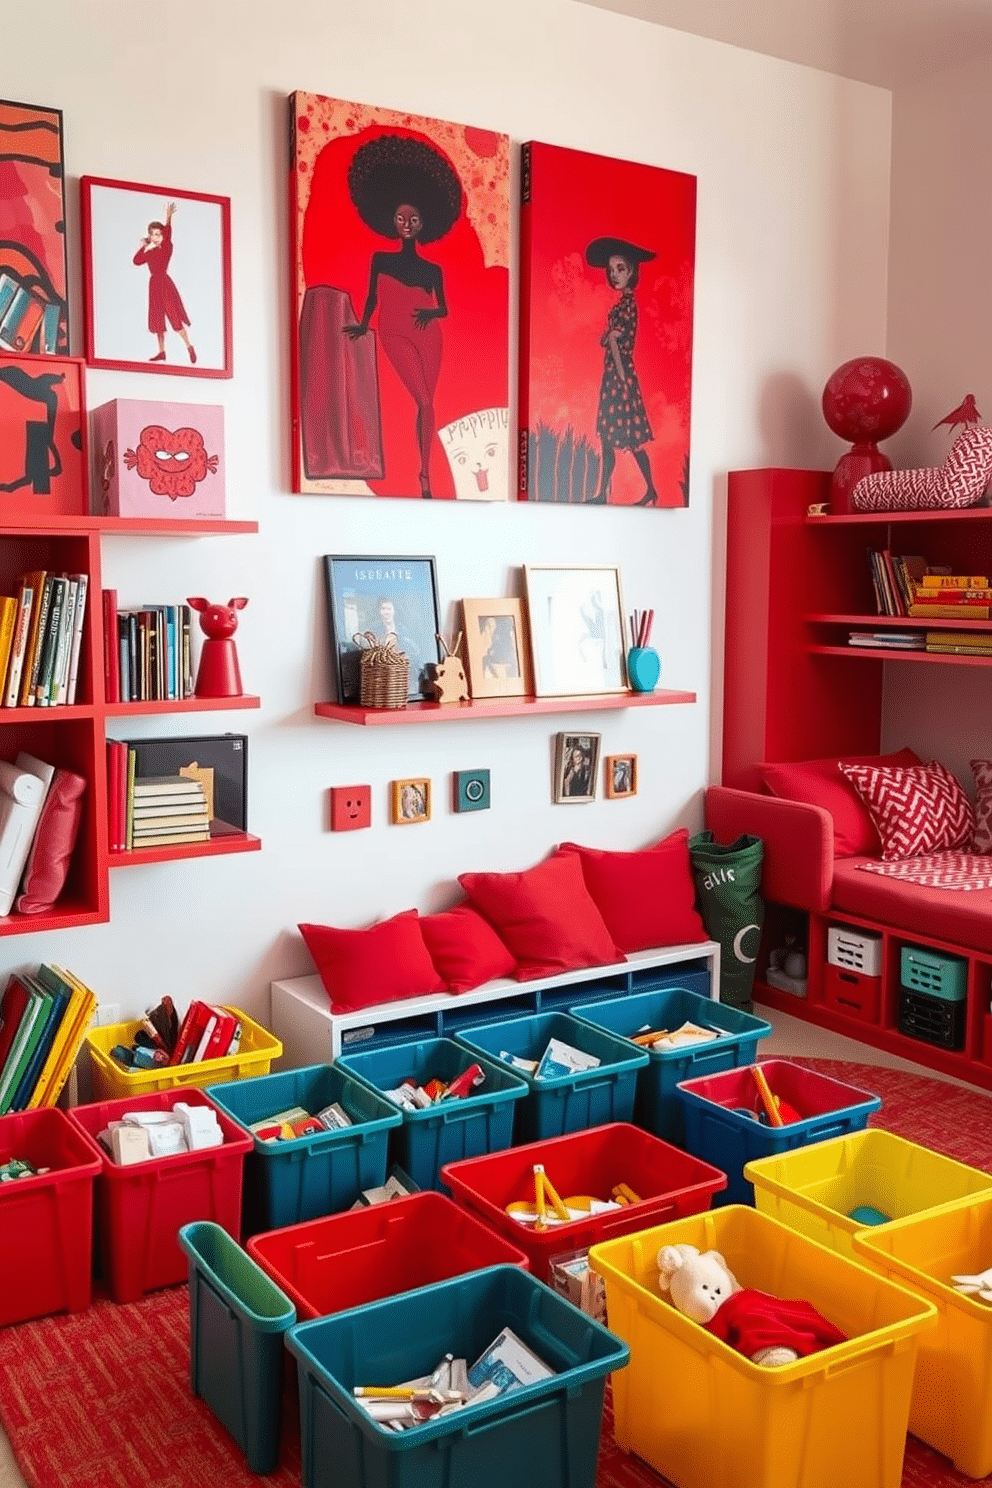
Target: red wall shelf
pixel 519 707
pixel 63 526
pixel 922 514
pixel 227 842
pixel 182 705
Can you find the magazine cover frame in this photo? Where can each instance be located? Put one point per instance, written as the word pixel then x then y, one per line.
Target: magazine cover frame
pixel 374 411
pixel 354 587
pixel 184 287
pixel 605 369
pixel 34 251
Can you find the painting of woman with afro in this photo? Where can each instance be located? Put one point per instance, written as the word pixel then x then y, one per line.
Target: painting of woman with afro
pixel 402 249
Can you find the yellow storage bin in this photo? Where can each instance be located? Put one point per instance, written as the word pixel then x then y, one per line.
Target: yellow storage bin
pixel 110 1080
pixel 704 1416
pixel 813 1189
pixel 951 1406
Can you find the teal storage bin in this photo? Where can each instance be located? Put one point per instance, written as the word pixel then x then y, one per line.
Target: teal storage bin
pixel 567 1103
pixel 238 1319
pixel 544 1435
pixel 467 1126
pixel 657 1107
pixel 287 1182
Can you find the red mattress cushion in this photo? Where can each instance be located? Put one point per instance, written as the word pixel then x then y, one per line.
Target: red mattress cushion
pixel 963 919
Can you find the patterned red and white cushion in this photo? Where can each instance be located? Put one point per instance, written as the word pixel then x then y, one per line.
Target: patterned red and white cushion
pixel 981 842
pixel 916 809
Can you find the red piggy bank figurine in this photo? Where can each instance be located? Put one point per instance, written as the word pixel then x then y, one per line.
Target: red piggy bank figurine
pixel 218 674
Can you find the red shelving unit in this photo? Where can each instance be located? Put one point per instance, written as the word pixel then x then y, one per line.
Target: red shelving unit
pixel 430 712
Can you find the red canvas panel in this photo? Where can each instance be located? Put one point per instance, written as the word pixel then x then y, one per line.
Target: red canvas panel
pixel 42 436
pixel 606 291
pixel 34 314
pixel 400 261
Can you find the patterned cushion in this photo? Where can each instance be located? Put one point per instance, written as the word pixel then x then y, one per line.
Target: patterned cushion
pixel 918 809
pixel 981 842
pixel 960 481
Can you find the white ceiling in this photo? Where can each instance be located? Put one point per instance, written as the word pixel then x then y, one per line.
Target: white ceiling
pixel 885 42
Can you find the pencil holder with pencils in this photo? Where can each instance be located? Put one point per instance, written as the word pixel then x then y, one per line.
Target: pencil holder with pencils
pixel 643 662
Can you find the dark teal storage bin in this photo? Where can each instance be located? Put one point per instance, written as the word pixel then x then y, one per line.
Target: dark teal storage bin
pixel 467 1126
pixel 545 1435
pixel 570 1103
pixel 657 1107
pixel 288 1182
pixel 238 1319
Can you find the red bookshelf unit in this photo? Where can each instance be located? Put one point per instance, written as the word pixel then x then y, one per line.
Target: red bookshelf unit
pixel 74 737
pixel 794 689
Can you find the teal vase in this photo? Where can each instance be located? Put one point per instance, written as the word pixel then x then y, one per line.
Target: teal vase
pixel 643 668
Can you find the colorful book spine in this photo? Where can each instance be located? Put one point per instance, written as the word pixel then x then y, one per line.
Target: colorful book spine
pixel 8 619
pixel 40 583
pixel 111 648
pixel 971 611
pixel 19 646
pixel 79 615
pixel 954 581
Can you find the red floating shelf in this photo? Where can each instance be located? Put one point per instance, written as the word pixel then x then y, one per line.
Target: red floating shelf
pixel 227 842
pixel 183 705
pixel 431 712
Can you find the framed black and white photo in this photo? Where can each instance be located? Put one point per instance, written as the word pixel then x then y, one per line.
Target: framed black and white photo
pixel 576 631
pixel 375 598
pixel 497 649
pixel 576 767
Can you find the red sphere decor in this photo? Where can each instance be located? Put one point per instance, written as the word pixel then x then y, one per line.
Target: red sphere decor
pixel 865 400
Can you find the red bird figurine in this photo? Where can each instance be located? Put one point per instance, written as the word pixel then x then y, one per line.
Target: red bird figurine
pixel 965 413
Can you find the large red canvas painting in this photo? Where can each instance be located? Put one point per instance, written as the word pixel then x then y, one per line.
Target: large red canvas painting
pixel 34 313
pixel 400 263
pixel 607 259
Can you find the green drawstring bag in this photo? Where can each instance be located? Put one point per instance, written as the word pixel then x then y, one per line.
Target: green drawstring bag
pixel 728 895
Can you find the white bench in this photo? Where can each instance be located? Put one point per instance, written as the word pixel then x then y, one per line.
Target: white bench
pixel 310 1033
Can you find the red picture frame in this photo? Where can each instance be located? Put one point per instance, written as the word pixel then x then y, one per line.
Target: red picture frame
pixel 605 365
pixel 43 437
pixel 157 297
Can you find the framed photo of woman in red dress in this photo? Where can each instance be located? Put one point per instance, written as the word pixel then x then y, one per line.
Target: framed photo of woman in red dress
pixel 607 253
pixel 400 240
pixel 157 277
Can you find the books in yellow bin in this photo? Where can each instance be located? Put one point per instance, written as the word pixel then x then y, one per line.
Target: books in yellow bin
pixel 69 1037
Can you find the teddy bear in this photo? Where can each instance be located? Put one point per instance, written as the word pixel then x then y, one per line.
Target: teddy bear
pixel 768 1330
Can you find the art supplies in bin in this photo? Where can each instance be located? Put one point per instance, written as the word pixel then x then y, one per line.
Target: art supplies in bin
pixel 560 1060
pixel 413 1097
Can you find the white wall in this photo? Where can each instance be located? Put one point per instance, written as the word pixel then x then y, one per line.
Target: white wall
pixel 940 333
pixel 792 167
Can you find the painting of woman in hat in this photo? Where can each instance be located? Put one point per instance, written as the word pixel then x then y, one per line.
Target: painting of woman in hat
pixel 621 418
pixel 406 190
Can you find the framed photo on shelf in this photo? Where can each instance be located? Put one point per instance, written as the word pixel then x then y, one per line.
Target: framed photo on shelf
pixel 576 767
pixel 379 597
pixel 410 801
pixel 43 460
pixel 576 631
pixel 157 278
pixel 34 311
pixel 620 774
pixel 497 648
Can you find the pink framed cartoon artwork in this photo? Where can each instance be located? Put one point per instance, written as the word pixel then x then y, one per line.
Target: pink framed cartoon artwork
pixel 157 278
pixel 34 311
pixel 400 235
pixel 607 252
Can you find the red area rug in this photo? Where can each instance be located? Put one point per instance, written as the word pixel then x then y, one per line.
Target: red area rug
pixel 101 1399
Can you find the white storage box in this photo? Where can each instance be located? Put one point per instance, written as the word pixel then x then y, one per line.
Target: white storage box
pixel 855 950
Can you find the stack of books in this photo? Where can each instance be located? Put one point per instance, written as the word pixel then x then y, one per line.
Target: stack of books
pixel 41 633
pixel 167 809
pixel 908 585
pixel 147 651
pixel 889 640
pixel 960 642
pixel 43 1021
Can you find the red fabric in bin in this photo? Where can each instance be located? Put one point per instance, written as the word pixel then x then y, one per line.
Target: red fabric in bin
pixel 960 919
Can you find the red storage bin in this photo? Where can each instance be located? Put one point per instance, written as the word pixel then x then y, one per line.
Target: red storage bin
pixel 142 1206
pixel 345 1260
pixel 669 1182
pixel 852 992
pixel 46 1222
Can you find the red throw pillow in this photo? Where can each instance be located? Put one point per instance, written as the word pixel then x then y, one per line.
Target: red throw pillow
pixel 545 916
pixel 384 963
pixel 981 841
pixel 465 948
pixel 47 867
pixel 921 809
pixel 646 898
pixel 820 782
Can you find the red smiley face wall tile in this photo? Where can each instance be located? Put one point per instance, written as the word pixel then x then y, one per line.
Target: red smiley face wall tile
pixel 351 807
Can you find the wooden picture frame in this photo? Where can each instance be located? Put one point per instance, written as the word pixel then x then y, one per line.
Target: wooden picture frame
pixel 157 299
pixel 497 648
pixel 43 436
pixel 620 776
pixel 576 620
pixel 409 801
pixel 576 767
pixel 360 591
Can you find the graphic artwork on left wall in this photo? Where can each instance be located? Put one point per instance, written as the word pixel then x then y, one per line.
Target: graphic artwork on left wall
pixel 34 312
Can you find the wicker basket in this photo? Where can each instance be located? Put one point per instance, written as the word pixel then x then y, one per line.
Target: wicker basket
pixel 384 673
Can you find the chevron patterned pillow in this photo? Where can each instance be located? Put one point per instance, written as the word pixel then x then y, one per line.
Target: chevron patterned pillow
pixel 917 809
pixel 981 842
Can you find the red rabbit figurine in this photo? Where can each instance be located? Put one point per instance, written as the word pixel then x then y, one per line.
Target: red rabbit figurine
pixel 218 674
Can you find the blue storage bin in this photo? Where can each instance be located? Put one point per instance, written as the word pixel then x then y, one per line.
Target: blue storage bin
pixel 288 1182
pixel 546 1433
pixel 657 1108
pixel 723 1128
pixel 568 1103
pixel 468 1126
pixel 238 1319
